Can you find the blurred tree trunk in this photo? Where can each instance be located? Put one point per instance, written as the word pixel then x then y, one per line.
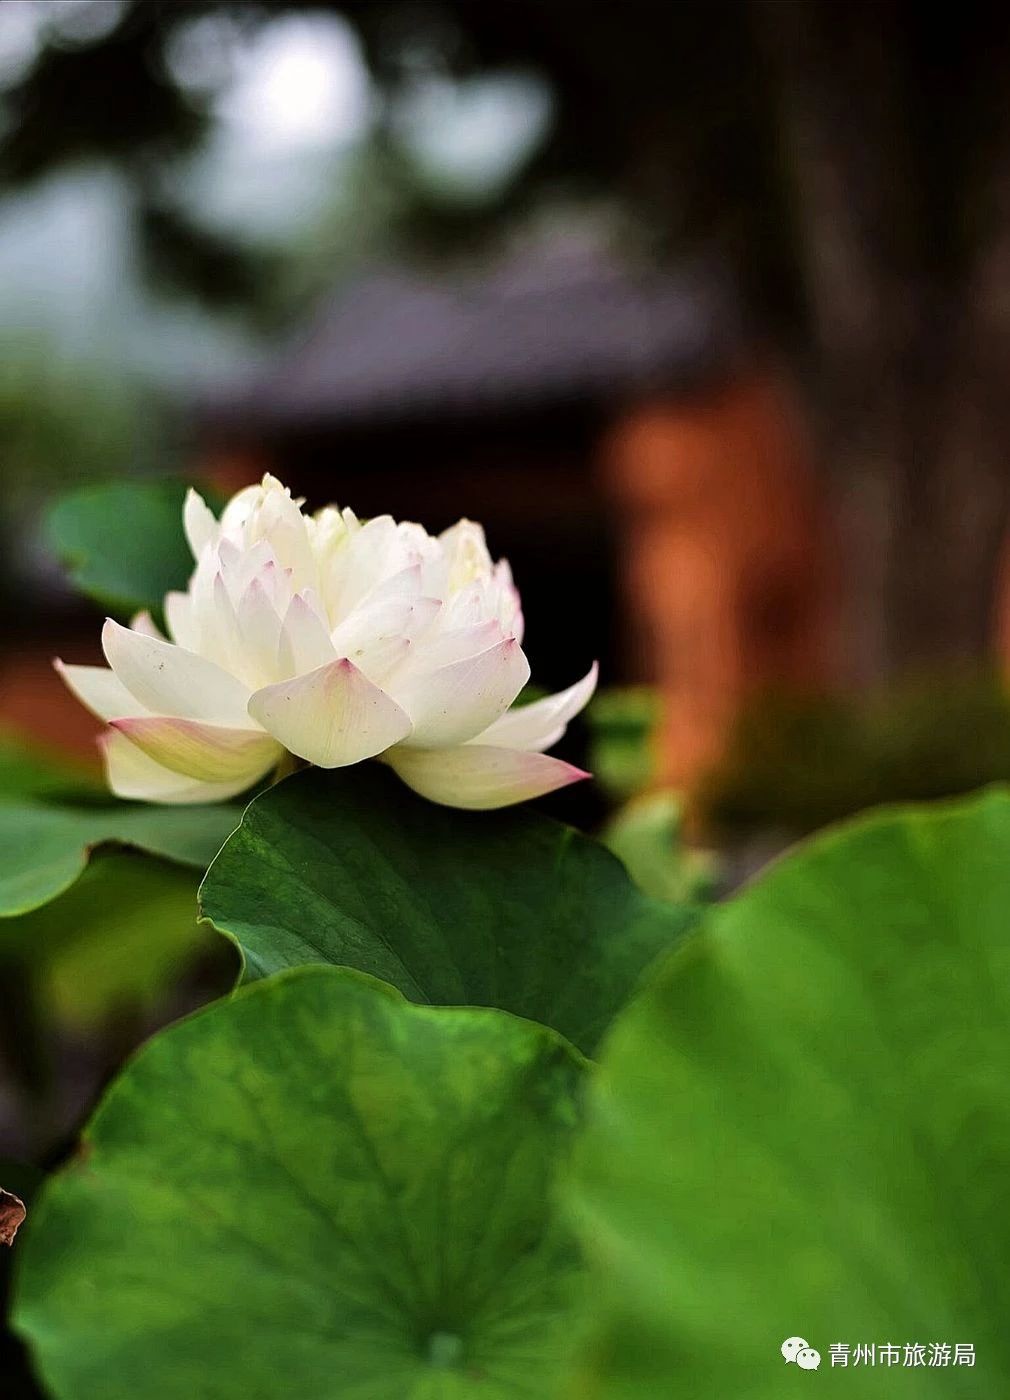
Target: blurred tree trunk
pixel 906 252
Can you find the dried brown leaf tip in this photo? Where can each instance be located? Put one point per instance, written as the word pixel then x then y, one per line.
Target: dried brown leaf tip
pixel 12 1214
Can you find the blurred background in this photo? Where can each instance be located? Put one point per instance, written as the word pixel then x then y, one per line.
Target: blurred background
pixel 704 310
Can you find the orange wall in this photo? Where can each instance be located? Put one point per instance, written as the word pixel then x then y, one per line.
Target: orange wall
pixel 724 557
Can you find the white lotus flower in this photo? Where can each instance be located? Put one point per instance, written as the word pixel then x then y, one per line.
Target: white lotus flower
pixel 335 640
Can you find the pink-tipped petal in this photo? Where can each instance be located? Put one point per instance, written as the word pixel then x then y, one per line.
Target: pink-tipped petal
pixel 459 701
pixel 131 774
pixel 260 630
pixel 304 640
pixel 540 725
pixel 376 637
pixel 378 658
pixel 99 690
pixel 169 680
pixel 207 752
pixel 460 644
pixel 479 777
pixel 332 716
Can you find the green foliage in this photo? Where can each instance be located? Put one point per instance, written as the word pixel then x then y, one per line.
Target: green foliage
pixel 91 927
pixel 940 739
pixel 623 723
pixel 314 1189
pixel 327 1186
pixel 646 835
pixel 45 846
pixel 63 424
pixel 795 764
pixel 123 543
pixel 113 942
pixel 28 770
pixel 505 909
pixel 799 1126
pixel 646 831
pixel 802 1127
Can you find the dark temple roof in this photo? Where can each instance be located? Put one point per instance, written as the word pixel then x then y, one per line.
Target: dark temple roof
pixel 559 324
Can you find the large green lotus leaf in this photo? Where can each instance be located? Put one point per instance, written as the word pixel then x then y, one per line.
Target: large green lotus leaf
pixel 505 909
pixel 802 1128
pixel 314 1189
pixel 115 941
pixel 123 543
pixel 45 846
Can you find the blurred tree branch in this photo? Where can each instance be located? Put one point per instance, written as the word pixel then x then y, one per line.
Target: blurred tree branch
pixel 112 100
pixel 897 127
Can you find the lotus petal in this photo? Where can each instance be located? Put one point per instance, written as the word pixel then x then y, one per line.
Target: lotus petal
pixel 100 690
pixel 541 724
pixel 480 777
pixel 131 774
pixel 170 680
pixel 459 701
pixel 331 717
pixel 207 752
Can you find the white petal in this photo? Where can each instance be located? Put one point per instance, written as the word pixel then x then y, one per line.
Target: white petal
pixel 466 551
pixel 442 648
pixel 469 607
pixel 131 774
pixel 214 626
pixel 329 530
pixel 181 624
pixel 331 717
pixel 304 642
pixel 238 567
pixel 278 520
pixel 480 777
pixel 459 701
pixel 198 522
pixel 510 608
pixel 169 680
pixel 406 583
pixel 276 583
pixel 541 724
pixel 144 622
pixel 391 617
pixel 100 691
pixel 373 555
pixel 379 658
pixel 241 509
pixel 223 641
pixel 260 633
pixel 208 752
pixel 377 636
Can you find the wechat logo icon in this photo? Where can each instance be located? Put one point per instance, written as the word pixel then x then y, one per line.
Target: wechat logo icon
pixel 804 1355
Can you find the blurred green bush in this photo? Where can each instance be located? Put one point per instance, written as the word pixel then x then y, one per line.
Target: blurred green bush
pixel 623 722
pixel 795 764
pixel 64 423
pixel 645 831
